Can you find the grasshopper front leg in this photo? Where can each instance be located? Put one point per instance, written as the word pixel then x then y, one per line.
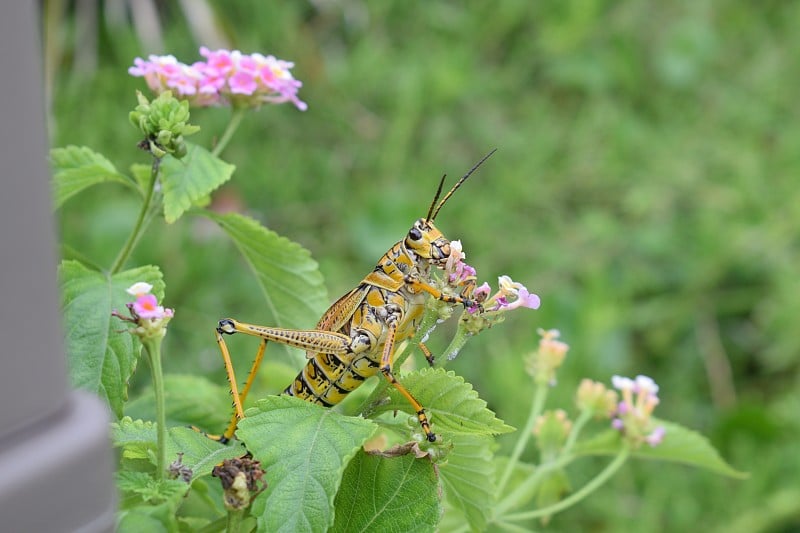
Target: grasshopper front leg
pixel 387 358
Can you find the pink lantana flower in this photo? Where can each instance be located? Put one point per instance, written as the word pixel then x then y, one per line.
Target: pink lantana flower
pixel 512 295
pixel 458 272
pixel 146 306
pixel 224 78
pixel 149 318
pixel 633 416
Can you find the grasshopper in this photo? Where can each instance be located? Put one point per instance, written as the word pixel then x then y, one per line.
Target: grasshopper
pixel 357 335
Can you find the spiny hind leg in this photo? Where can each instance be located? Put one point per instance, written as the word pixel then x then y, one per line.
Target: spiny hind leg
pixel 238 398
pixel 317 340
pixel 387 358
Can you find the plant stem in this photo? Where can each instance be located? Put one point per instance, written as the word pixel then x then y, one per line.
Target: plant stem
pixel 581 421
pixel 234 520
pixel 528 485
pixel 458 342
pixel 536 408
pixel 141 222
pixel 153 347
pixel 587 489
pixel 230 129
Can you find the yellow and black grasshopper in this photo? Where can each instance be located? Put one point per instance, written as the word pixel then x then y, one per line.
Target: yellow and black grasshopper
pixel 357 335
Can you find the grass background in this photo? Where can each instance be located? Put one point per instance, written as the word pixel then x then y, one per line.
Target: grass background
pixel 645 186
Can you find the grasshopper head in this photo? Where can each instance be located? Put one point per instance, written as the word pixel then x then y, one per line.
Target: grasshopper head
pixel 424 239
pixel 427 242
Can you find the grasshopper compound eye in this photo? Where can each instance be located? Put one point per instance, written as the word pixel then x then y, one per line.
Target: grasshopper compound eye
pixel 415 234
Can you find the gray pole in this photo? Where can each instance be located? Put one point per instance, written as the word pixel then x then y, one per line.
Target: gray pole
pixel 55 459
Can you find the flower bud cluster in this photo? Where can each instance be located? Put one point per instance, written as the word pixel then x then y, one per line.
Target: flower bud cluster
pixel 546 360
pixel 164 123
pixel 551 430
pixel 595 398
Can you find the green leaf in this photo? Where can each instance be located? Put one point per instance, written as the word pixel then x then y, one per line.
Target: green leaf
pixel 142 174
pixel 468 478
pixel 76 167
pixel 304 449
pixel 451 403
pixel 150 489
pixel 144 497
pixel 189 180
pixel 190 401
pixel 200 453
pixel 135 521
pixel 101 354
pixel 387 494
pixel 137 438
pixel 289 278
pixel 680 445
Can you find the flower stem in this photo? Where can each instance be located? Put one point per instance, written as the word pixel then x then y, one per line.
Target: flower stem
pixel 141 222
pixel 153 347
pixel 526 488
pixel 587 489
pixel 234 520
pixel 458 342
pixel 536 409
pixel 581 421
pixel 230 129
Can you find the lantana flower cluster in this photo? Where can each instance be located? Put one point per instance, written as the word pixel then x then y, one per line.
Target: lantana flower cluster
pixel 483 309
pixel 634 411
pixel 511 294
pixel 146 314
pixel 487 309
pixel 226 77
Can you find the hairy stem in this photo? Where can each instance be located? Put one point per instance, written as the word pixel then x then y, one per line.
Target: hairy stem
pixel 536 409
pixel 230 129
pixel 234 520
pixel 526 488
pixel 142 221
pixel 153 348
pixel 577 496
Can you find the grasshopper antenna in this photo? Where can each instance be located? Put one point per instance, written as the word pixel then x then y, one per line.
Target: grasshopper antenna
pixel 435 198
pixel 433 212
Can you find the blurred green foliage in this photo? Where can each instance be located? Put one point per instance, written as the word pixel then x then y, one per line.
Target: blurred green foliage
pixel 646 186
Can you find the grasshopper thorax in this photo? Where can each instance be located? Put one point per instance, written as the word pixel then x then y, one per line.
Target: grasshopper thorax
pixel 427 242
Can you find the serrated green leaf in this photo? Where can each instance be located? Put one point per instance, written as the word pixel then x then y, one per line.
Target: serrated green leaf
pixel 200 453
pixel 101 355
pixel 77 167
pixel 150 489
pixel 680 445
pixel 190 401
pixel 156 499
pixel 387 494
pixel 189 180
pixel 290 280
pixel 468 478
pixel 304 449
pixel 451 403
pixel 137 438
